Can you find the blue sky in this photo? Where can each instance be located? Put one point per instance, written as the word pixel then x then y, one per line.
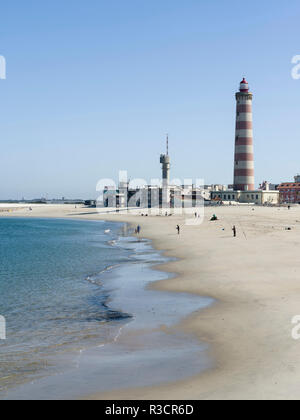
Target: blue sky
pixel 93 87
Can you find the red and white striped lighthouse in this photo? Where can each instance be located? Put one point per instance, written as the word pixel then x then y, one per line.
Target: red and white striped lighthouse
pixel 244 157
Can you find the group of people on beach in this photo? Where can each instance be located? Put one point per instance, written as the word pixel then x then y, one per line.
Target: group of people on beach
pixel 234 230
pixel 214 218
pixel 138 230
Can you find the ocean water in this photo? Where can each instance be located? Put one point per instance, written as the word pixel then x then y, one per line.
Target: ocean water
pixel 81 316
pixel 50 294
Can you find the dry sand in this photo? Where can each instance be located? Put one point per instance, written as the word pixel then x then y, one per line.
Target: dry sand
pixel 255 279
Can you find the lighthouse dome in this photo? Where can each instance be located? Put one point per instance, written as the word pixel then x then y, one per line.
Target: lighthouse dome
pixel 244 87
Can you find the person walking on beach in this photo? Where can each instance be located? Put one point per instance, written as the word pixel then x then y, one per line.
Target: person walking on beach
pixel 138 230
pixel 234 231
pixel 178 229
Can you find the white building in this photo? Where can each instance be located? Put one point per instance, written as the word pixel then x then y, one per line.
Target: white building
pixel 259 197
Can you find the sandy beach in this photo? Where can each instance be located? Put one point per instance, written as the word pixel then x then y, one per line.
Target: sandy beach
pixel 254 279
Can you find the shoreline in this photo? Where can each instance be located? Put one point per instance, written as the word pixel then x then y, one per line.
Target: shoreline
pixel 255 282
pixel 153 320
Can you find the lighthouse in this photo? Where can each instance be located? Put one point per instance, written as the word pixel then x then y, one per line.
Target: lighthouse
pixel 244 157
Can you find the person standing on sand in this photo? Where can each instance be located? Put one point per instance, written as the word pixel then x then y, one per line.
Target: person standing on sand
pixel 138 230
pixel 234 231
pixel 178 229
